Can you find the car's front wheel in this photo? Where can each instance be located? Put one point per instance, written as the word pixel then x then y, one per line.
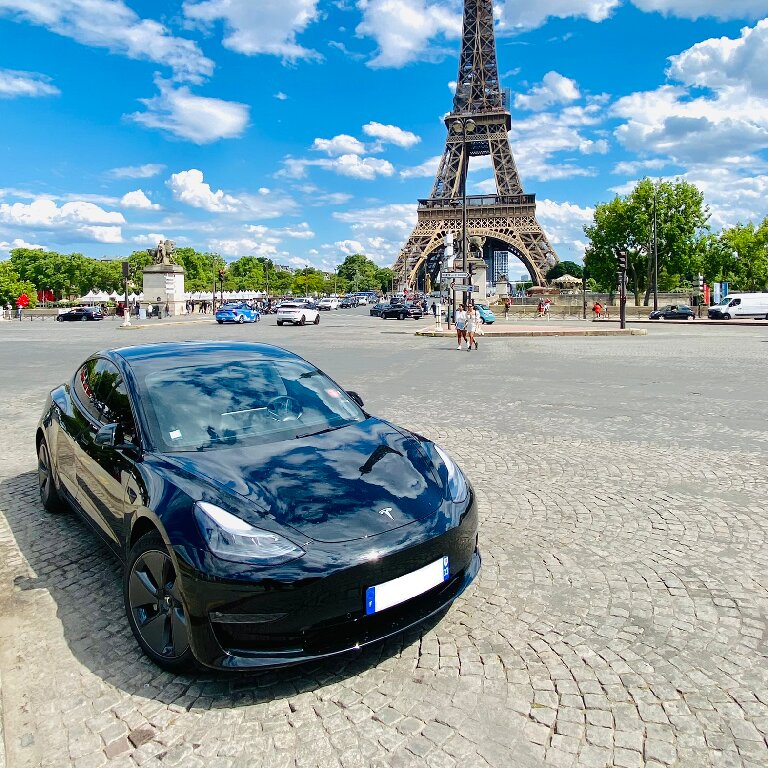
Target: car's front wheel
pixel 401 316
pixel 317 320
pixel 46 480
pixel 726 317
pixel 154 604
pixel 303 320
pixel 241 319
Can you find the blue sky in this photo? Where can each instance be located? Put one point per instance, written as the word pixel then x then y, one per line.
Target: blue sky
pixel 305 131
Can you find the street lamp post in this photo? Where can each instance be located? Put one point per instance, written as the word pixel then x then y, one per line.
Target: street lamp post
pixel 464 125
pixel 655 254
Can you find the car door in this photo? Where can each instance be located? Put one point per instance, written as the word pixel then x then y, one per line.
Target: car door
pixel 95 496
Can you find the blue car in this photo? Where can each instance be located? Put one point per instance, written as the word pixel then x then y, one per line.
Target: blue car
pixel 237 313
pixel 486 315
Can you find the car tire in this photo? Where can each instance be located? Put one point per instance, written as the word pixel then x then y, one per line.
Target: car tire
pixel 154 604
pixel 401 316
pixel 279 322
pixel 316 321
pixel 241 319
pixel 46 481
pixel 726 317
pixel 220 322
pixel 83 318
pixel 59 319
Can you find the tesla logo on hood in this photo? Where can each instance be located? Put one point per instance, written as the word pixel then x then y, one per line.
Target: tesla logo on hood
pixel 387 511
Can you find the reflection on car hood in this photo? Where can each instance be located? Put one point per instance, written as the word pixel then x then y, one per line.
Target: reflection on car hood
pixel 342 485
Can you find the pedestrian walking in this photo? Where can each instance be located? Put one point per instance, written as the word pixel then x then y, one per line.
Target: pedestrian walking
pixel 460 322
pixel 506 309
pixel 472 325
pixel 434 309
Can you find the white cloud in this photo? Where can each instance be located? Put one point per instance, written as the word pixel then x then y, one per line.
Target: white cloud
pixel 425 170
pixel 19 243
pixel 564 222
pixel 188 187
pixel 242 246
pixel 391 134
pixel 299 232
pixel 519 15
pixel 697 9
pixel 112 25
pixel 363 168
pixel 396 220
pixel 137 199
pixel 404 29
pixel 339 145
pixel 14 83
pixel 554 89
pixel 349 247
pixel 199 119
pixel 74 221
pixel 259 26
pixel 146 171
pixel 280 96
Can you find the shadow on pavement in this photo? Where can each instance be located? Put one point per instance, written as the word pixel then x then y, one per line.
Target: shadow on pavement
pixel 85 581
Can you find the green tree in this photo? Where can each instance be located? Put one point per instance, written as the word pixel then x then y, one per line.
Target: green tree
pixel 744 256
pixel 359 272
pixel 564 268
pixel 12 285
pixel 627 224
pixel 247 273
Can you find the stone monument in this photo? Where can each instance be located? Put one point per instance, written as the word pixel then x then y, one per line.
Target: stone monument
pixel 164 280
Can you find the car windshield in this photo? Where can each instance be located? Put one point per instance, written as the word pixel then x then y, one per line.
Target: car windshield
pixel 726 301
pixel 244 402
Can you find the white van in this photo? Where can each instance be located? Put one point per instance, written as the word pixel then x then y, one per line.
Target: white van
pixel 741 305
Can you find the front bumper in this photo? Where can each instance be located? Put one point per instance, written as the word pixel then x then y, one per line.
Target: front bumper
pixel 314 607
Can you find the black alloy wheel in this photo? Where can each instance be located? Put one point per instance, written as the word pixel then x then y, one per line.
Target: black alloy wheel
pixel 46 481
pixel 241 319
pixel 154 604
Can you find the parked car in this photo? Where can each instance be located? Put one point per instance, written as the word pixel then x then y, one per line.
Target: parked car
pixel 401 311
pixel 673 312
pixel 237 313
pixel 486 313
pixel 377 309
pixel 328 303
pixel 754 305
pixel 227 479
pixel 80 313
pixel 298 314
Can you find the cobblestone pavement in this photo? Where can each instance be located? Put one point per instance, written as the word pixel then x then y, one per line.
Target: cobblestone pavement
pixel 619 618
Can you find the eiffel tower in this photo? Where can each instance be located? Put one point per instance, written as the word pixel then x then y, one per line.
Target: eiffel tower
pixel 505 221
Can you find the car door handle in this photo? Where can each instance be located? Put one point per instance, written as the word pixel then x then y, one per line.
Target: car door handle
pixel 131 494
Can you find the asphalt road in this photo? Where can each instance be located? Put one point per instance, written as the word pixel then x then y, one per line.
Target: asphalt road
pixel 619 618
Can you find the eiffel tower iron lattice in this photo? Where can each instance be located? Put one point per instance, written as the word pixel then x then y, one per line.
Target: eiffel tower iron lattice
pixel 504 221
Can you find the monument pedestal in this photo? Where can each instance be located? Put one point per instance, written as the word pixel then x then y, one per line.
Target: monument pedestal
pixel 164 284
pixel 478 270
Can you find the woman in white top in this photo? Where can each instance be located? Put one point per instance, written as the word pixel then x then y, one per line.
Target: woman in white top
pixel 473 322
pixel 460 319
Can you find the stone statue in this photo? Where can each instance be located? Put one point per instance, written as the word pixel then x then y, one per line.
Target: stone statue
pixel 163 254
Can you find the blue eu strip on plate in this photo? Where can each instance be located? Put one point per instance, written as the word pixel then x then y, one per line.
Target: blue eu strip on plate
pixel 396 591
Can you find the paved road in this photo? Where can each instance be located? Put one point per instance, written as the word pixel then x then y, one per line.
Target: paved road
pixel 619 619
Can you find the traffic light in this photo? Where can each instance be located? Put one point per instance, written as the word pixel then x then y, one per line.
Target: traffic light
pixel 221 275
pixel 701 283
pixel 621 260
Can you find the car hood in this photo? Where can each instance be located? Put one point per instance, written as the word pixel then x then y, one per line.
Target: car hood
pixel 347 484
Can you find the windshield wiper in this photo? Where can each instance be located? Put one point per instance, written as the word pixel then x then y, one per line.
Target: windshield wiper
pixel 320 432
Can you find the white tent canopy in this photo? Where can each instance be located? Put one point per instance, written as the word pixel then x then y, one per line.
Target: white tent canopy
pixel 567 280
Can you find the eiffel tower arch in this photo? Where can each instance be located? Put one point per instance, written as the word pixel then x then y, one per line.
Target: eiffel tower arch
pixel 506 220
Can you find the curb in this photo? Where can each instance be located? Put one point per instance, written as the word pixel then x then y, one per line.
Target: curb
pixel 544 332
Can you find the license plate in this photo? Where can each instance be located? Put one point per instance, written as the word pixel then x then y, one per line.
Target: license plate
pixel 382 596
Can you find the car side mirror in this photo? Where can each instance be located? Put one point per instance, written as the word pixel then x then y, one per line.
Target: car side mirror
pixel 356 398
pixel 106 436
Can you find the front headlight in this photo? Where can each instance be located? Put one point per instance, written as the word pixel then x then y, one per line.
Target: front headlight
pixel 457 484
pixel 231 538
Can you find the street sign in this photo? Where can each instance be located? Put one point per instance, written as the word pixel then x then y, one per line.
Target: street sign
pixel 454 275
pixel 466 288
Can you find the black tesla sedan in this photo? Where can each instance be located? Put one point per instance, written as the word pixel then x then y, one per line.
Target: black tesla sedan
pixel 81 313
pixel 401 311
pixel 262 516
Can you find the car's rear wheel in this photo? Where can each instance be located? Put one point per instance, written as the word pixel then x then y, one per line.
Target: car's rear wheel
pixel 401 316
pixel 303 320
pixel 279 322
pixel 59 318
pixel 241 319
pixel 154 604
pixel 46 480
pixel 317 320
pixel 84 318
